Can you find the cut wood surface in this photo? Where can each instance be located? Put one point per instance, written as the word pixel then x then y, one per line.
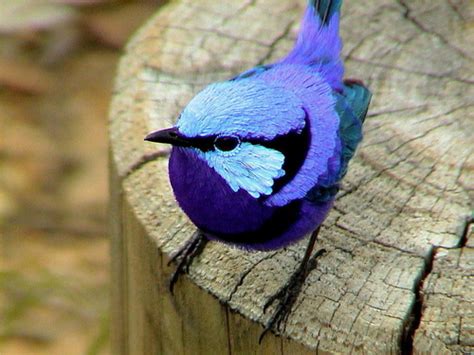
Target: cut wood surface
pixel 398 274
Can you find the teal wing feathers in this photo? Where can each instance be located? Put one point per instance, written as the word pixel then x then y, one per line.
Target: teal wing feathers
pixel 352 106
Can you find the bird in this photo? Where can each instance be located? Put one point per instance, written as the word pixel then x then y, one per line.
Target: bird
pixel 256 160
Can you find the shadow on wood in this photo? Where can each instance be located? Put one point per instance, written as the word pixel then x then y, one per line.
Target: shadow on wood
pixel 398 272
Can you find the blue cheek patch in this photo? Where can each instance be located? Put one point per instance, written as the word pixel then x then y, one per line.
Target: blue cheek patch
pixel 253 168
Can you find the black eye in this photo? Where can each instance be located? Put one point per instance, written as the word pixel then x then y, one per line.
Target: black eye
pixel 226 143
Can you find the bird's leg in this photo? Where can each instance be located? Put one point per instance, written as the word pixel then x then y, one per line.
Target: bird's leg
pixel 184 256
pixel 288 294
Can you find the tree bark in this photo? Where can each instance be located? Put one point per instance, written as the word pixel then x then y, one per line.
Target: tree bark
pixel 398 274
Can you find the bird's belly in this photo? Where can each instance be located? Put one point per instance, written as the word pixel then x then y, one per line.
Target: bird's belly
pixel 209 201
pixel 237 217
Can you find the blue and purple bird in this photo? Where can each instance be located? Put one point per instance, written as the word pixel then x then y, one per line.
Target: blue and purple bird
pixel 257 160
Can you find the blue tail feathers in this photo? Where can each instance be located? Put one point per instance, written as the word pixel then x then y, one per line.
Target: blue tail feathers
pixel 326 8
pixel 318 44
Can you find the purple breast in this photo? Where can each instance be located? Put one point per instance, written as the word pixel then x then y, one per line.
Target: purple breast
pixel 208 200
pixel 237 217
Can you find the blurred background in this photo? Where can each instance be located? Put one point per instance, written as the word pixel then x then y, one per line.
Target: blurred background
pixel 57 65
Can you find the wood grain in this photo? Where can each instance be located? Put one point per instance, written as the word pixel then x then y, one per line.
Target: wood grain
pixel 398 272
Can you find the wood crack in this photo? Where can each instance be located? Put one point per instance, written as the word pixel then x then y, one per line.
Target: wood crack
pixel 408 15
pixel 245 274
pixel 405 70
pixel 216 32
pixel 227 324
pixel 274 45
pixel 456 10
pixel 144 159
pixel 413 321
pixel 466 230
pixel 373 113
pixel 415 318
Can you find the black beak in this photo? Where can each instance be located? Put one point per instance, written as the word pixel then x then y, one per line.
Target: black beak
pixel 169 136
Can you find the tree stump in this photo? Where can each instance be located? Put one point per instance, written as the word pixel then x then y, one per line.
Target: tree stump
pixel 398 274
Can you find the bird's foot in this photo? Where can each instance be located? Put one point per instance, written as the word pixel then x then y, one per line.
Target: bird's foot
pixel 288 294
pixel 184 256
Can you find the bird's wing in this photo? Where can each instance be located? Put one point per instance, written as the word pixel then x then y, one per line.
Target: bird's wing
pixel 358 97
pixel 351 106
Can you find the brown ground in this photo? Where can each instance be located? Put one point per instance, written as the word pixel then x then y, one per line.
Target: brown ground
pixel 55 86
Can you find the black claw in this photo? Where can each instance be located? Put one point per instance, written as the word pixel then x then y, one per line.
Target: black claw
pixel 313 262
pixel 185 256
pixel 288 294
pixel 265 331
pixel 172 281
pixel 178 254
pixel 272 299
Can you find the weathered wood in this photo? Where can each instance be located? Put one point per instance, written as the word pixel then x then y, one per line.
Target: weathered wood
pixel 403 206
pixel 447 324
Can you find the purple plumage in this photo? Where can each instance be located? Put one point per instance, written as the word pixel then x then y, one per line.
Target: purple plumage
pixel 297 110
pixel 233 216
pixel 256 160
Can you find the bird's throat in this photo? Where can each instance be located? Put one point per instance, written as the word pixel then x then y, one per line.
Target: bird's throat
pixel 209 201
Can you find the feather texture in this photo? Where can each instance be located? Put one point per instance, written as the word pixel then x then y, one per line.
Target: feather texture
pixel 248 110
pixel 257 159
pixel 352 108
pixel 251 167
pixel 318 43
pixel 325 9
pixel 318 101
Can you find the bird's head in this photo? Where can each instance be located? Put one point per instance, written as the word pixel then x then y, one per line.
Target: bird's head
pixel 253 135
